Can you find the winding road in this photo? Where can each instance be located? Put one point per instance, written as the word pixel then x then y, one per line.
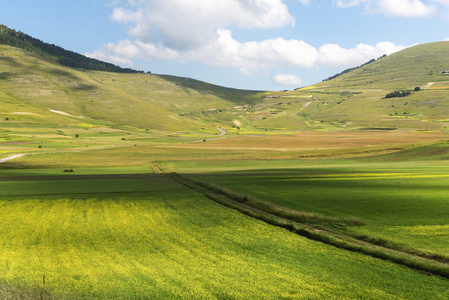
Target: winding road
pixel 222 132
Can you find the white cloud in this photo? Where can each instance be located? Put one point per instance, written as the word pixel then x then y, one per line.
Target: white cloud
pixel 288 80
pixel 400 8
pixel 405 8
pixel 335 56
pixel 305 2
pixel 124 52
pixel 350 3
pixel 249 57
pixel 199 31
pixel 254 56
pixel 189 24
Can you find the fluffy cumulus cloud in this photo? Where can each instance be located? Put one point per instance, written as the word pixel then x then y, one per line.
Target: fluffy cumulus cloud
pixel 189 24
pixel 400 8
pixel 288 80
pixel 254 56
pixel 201 31
pixel 334 55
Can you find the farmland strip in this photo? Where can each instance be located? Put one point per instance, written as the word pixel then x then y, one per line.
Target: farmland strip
pixel 79 177
pixel 419 261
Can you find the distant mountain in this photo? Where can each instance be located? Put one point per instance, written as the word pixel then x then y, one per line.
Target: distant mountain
pixel 67 58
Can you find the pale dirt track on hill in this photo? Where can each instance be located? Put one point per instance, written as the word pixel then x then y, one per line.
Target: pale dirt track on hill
pixel 11 157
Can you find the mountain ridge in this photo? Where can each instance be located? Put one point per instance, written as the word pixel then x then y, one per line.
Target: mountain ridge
pixel 64 57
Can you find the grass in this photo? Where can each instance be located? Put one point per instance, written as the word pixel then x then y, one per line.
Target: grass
pixel 4 173
pixel 174 243
pixel 121 236
pixel 405 197
pixel 329 230
pixel 33 86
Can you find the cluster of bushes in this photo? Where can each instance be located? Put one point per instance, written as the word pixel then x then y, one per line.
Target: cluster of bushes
pixel 396 94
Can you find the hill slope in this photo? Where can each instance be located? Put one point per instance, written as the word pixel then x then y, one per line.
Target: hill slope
pixel 357 100
pixel 31 83
pixel 72 59
pixel 354 100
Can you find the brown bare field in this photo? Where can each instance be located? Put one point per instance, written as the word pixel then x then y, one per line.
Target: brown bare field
pixel 323 140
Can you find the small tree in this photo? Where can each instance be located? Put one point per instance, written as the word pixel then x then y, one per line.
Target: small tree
pixel 417 89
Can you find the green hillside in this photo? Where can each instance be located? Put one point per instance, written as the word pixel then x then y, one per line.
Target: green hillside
pixel 68 58
pixel 31 87
pixel 355 100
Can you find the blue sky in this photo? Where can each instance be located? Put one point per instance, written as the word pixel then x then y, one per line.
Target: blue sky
pixel 248 44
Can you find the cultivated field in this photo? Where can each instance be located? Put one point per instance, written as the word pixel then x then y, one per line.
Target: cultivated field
pixel 140 186
pixel 152 238
pixel 402 202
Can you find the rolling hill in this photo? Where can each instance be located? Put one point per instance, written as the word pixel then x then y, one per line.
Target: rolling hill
pixel 33 86
pixel 357 100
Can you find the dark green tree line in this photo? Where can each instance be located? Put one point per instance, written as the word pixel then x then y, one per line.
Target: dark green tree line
pixel 64 57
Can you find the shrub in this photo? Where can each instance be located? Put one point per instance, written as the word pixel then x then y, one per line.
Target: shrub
pixel 396 94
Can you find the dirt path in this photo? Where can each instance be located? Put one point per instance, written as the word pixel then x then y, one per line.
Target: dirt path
pixel 222 132
pixel 64 113
pixel 11 157
pixel 304 106
pixel 427 85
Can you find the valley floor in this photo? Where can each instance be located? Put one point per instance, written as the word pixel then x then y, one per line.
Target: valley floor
pixel 104 224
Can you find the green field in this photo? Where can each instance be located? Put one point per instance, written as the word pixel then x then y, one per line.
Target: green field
pixel 171 242
pixel 405 202
pixel 92 209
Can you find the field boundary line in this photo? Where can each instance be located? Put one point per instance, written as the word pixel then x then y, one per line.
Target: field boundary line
pixel 338 238
pixel 155 167
pixel 79 177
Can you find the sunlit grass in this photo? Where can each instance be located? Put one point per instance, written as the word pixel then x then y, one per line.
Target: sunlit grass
pixel 174 243
pixel 392 198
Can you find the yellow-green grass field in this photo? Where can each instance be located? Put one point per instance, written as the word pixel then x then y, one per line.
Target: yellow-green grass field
pixel 110 234
pixel 168 241
pixel 404 202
